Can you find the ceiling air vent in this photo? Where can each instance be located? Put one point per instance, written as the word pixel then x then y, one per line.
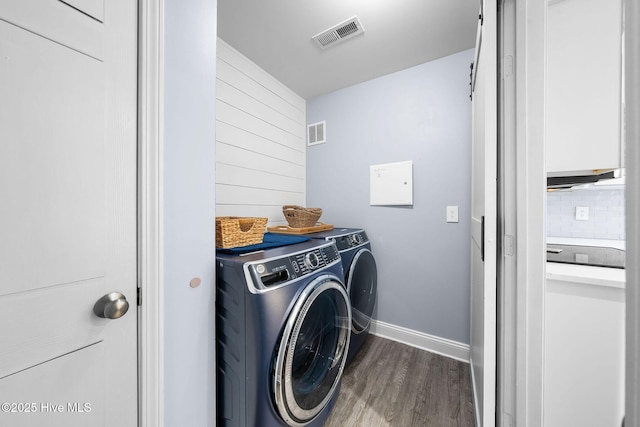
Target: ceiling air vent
pixel 339 33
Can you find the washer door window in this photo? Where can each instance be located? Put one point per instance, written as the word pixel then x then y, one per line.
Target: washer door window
pixel 362 285
pixel 313 351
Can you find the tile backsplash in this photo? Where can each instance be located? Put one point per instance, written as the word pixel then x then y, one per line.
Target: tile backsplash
pixel 605 213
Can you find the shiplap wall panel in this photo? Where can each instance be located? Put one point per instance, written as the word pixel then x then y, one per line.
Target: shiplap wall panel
pixel 237 79
pixel 247 177
pixel 260 140
pixel 245 66
pixel 256 161
pixel 231 135
pixel 274 213
pixel 227 113
pixel 258 109
pixel 256 196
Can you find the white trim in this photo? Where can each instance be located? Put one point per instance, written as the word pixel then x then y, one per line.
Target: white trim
pixel 445 347
pixel 530 69
pixel 506 386
pixel 632 102
pixel 474 396
pixel 150 220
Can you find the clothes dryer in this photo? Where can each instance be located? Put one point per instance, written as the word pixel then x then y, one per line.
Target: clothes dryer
pixel 361 277
pixel 282 331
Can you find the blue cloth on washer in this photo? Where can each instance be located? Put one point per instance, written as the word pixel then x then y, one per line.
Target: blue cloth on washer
pixel 270 240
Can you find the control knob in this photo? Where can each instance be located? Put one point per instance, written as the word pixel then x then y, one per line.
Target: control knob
pixel 311 261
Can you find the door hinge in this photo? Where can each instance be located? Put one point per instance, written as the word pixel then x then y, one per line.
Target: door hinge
pixel 139 296
pixel 507 66
pixel 509 245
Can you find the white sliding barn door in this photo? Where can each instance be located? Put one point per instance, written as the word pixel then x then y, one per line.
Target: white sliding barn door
pixel 483 217
pixel 68 82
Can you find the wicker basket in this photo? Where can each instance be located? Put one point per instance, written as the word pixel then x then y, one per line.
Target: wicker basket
pixel 299 217
pixel 234 231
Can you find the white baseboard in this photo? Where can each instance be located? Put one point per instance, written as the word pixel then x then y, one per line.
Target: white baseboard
pixel 442 346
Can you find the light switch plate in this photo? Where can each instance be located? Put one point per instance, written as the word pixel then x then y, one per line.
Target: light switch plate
pixel 452 214
pixel 582 213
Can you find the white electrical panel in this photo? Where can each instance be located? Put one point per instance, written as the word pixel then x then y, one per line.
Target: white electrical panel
pixel 391 184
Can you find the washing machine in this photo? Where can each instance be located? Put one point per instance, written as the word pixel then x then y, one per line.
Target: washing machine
pixel 360 276
pixel 283 321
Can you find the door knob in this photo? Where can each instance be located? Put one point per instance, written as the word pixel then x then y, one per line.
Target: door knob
pixel 111 306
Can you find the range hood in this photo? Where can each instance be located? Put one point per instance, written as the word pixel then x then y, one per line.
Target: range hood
pixel 570 181
pixel 596 177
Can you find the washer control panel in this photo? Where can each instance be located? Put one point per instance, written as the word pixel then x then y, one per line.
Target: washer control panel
pixel 277 271
pixel 351 240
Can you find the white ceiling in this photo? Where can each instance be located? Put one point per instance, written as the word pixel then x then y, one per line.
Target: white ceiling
pixel 276 35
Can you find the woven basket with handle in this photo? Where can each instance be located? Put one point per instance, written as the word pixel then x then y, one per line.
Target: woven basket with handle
pixel 234 231
pixel 299 217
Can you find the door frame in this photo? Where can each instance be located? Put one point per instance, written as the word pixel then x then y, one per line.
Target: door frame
pixel 521 353
pixel 531 23
pixel 506 259
pixel 522 220
pixel 150 213
pixel 632 103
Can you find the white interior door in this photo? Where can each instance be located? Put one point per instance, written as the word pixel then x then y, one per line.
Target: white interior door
pixel 483 217
pixel 67 212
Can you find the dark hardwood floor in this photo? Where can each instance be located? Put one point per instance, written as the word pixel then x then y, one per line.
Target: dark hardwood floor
pixel 395 385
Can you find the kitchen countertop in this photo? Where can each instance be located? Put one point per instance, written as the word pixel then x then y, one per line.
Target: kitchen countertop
pixel 618 244
pixel 588 275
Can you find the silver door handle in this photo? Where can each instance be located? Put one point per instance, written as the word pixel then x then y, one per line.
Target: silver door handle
pixel 111 306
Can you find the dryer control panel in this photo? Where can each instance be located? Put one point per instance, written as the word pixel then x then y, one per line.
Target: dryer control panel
pixel 274 272
pixel 351 240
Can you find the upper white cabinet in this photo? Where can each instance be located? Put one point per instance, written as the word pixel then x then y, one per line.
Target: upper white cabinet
pixel 584 77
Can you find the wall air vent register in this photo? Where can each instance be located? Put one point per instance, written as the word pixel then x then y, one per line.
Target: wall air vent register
pixel 316 133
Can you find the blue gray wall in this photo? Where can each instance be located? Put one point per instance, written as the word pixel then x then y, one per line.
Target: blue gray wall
pixel 421 114
pixel 189 211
